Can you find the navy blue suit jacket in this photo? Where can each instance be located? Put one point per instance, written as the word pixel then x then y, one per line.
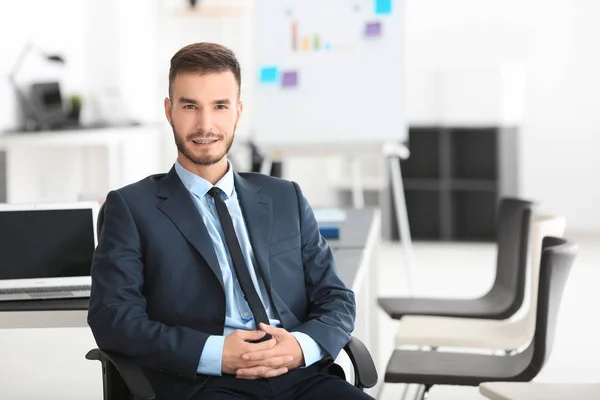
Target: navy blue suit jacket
pixel 157 292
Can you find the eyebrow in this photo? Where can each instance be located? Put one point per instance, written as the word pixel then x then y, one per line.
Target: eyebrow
pixel 187 100
pixel 221 101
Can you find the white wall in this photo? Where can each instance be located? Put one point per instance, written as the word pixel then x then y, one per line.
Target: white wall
pixel 556 41
pixel 54 26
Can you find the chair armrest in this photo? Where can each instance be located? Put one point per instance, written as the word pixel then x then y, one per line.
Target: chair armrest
pixel 130 373
pixel 365 373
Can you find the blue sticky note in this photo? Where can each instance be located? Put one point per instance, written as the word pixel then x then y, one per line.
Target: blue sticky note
pixel 383 7
pixel 269 75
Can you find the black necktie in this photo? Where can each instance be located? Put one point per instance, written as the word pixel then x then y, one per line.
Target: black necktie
pixel 241 269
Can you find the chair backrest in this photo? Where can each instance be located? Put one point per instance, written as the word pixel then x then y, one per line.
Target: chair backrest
pixel 542 225
pixel 512 235
pixel 558 256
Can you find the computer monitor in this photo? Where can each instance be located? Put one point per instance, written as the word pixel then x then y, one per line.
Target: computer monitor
pixel 47 245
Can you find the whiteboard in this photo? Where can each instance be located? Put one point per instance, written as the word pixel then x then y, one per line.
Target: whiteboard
pixel 329 71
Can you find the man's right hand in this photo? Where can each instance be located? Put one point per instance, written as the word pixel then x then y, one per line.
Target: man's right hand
pixel 237 344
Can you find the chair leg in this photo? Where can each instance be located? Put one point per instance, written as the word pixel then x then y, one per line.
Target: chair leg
pixel 422 392
pixel 405 391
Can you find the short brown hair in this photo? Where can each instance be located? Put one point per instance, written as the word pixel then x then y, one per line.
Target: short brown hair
pixel 204 58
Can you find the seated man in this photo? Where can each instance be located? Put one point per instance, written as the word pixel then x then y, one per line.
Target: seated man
pixel 218 284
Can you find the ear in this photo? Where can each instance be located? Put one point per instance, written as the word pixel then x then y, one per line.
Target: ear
pixel 168 110
pixel 239 109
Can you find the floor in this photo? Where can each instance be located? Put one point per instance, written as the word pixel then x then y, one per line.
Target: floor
pixel 466 270
pixel 55 356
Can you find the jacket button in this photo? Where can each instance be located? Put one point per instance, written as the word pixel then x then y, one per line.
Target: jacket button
pixel 220 320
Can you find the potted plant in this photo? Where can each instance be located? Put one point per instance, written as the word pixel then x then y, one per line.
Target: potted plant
pixel 75 107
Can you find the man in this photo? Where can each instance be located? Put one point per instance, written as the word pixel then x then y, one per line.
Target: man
pixel 217 283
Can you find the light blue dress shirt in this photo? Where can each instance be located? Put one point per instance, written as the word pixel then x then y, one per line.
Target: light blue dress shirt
pixel 238 314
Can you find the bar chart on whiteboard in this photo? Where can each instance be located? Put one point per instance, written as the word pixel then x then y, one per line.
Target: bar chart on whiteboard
pixel 315 34
pixel 329 69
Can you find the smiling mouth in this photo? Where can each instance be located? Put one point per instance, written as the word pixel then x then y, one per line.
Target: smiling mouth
pixel 204 141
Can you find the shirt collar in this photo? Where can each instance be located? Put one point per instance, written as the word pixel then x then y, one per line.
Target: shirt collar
pixel 200 186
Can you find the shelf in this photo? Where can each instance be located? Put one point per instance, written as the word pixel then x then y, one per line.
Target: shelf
pixel 423 208
pixel 474 215
pixel 426 143
pixel 478 185
pixel 210 11
pixel 421 184
pixel 474 153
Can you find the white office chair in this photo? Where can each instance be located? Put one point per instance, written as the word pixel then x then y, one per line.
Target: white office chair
pixel 509 334
pixel 540 391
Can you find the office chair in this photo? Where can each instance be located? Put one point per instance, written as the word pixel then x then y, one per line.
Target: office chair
pixel 508 334
pixel 506 295
pixel 123 379
pixel 431 368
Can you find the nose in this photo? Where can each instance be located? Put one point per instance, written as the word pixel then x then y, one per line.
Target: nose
pixel 204 122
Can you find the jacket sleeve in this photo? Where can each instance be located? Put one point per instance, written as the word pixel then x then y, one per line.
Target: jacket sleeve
pixel 332 308
pixel 117 312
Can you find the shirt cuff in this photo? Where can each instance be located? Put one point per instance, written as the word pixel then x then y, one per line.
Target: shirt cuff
pixel 212 356
pixel 310 349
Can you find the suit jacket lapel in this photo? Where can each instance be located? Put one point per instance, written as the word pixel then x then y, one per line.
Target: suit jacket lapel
pixel 180 208
pixel 258 214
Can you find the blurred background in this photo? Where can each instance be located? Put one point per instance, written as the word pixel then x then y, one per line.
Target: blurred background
pixel 454 53
pixel 485 99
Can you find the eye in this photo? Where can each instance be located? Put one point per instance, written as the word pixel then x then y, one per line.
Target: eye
pixel 221 107
pixel 189 107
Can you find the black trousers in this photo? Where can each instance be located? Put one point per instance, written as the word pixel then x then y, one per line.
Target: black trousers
pixel 314 382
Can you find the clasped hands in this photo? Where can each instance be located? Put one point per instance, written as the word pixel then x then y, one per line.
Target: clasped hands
pixel 267 359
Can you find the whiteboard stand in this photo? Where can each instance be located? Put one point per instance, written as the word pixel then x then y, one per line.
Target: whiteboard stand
pixel 395 152
pixel 392 153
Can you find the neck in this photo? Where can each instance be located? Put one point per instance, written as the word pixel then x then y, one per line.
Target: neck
pixel 212 173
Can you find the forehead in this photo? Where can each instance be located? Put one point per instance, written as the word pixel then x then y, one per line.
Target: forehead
pixel 195 84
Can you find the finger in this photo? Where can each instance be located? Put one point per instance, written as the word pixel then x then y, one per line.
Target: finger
pixel 277 332
pixel 262 355
pixel 260 372
pixel 252 372
pixel 249 335
pixel 278 362
pixel 260 347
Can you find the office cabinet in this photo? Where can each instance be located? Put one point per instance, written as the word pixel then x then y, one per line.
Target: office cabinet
pixel 454 179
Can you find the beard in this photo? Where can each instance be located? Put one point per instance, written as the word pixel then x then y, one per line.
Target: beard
pixel 183 147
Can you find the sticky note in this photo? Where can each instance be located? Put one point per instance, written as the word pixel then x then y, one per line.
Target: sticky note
pixel 290 79
pixel 373 29
pixel 383 7
pixel 269 74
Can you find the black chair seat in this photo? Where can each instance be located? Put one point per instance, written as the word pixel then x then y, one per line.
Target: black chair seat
pixel 495 305
pixel 455 369
pixel 507 293
pixel 429 368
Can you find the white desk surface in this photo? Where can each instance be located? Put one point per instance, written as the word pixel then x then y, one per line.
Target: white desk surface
pixel 355 271
pixel 76 137
pixel 49 361
pixel 540 391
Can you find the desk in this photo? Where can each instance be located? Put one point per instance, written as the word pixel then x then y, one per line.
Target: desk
pixel 66 164
pixel 59 351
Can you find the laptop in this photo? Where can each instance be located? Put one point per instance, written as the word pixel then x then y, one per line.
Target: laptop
pixel 46 250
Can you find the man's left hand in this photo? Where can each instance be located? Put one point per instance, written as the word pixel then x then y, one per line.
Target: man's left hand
pixel 287 348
